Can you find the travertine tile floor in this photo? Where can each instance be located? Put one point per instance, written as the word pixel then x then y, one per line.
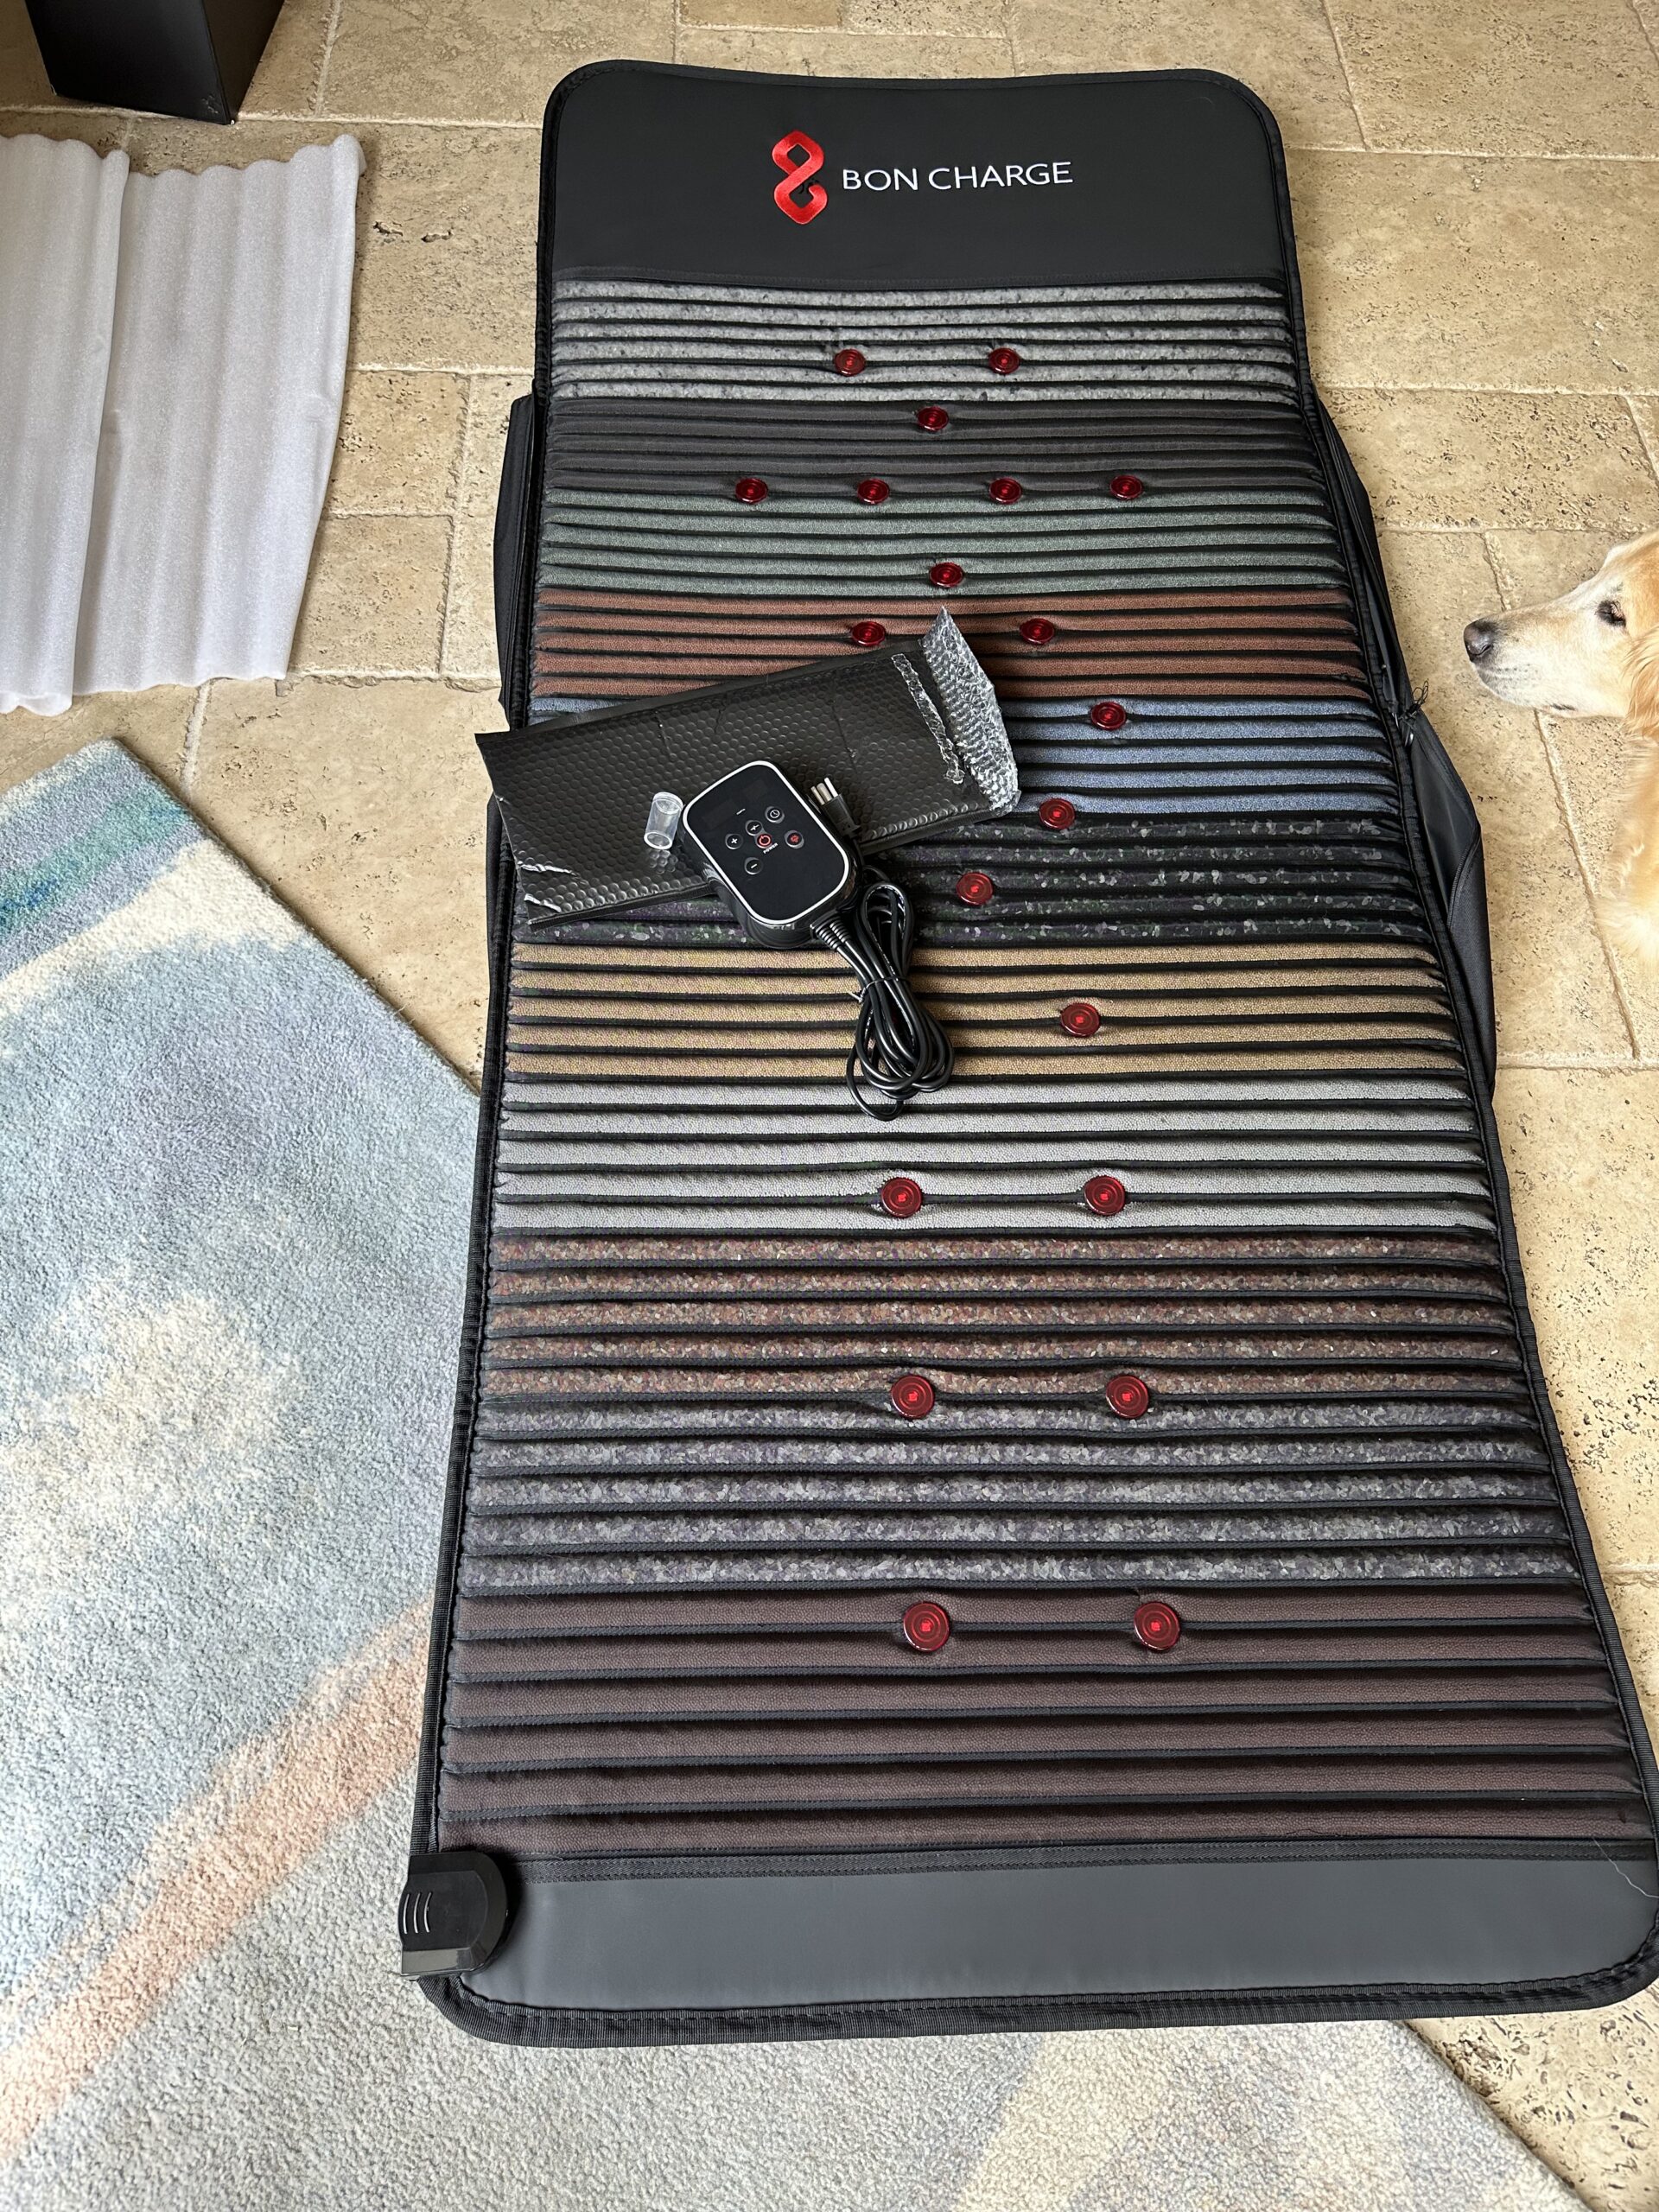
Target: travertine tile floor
pixel 1477 201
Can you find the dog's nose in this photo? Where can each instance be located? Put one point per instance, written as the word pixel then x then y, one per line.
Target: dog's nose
pixel 1479 638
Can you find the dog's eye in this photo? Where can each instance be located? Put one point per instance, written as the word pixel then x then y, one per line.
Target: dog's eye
pixel 1610 611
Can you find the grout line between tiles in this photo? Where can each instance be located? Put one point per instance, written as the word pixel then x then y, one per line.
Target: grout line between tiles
pixel 193 736
pixel 331 32
pixel 1488 154
pixel 1642 25
pixel 1347 78
pixel 1625 391
pixel 444 369
pixel 1564 800
pixel 461 466
pixel 1645 441
pixel 470 680
pixel 1579 1064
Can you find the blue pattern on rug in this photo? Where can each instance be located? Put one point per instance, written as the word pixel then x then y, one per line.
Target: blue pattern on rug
pixel 229 1289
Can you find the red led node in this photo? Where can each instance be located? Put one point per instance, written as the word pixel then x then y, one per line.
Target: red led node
pixel 902 1196
pixel 1104 1194
pixel 1156 1625
pixel 926 1625
pixel 912 1395
pixel 1127 1396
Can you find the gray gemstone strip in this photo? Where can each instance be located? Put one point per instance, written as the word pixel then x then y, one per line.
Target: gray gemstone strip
pixel 487 1576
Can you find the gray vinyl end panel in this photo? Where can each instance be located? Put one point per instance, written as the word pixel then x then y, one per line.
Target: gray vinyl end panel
pixel 1063 1931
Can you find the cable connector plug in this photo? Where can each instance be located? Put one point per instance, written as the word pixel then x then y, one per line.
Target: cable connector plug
pixel 835 810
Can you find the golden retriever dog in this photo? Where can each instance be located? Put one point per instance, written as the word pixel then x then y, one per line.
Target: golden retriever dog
pixel 1595 650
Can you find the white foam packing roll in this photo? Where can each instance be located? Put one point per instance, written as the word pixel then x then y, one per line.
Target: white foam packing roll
pixel 59 230
pixel 226 365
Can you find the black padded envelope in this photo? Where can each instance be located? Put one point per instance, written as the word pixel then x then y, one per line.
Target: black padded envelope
pixel 1095 1549
pixel 911 739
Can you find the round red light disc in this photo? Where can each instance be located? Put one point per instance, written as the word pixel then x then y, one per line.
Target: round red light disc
pixel 1080 1019
pixel 1007 491
pixel 975 888
pixel 932 418
pixel 912 1395
pixel 926 1626
pixel 1127 1396
pixel 849 362
pixel 1057 814
pixel 945 576
pixel 1109 714
pixel 750 489
pixel 1156 1625
pixel 1038 631
pixel 1003 361
pixel 902 1196
pixel 873 491
pixel 1127 487
pixel 868 634
pixel 1104 1194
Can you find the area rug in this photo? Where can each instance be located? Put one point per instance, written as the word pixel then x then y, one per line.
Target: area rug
pixel 230 1260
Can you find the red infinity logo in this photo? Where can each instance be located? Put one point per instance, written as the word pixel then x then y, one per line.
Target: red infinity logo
pixel 800 157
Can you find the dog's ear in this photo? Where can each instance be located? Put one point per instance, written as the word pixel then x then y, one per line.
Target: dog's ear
pixel 1639 597
pixel 1642 715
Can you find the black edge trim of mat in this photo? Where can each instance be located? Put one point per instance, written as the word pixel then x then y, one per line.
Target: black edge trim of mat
pixel 498 2023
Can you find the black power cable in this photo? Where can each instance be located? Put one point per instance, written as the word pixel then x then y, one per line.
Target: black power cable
pixel 899 1049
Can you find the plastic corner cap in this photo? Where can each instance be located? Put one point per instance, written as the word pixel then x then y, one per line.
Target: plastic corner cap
pixel 453 1913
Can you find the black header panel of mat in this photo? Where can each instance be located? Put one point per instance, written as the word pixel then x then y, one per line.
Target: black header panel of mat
pixel 854 186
